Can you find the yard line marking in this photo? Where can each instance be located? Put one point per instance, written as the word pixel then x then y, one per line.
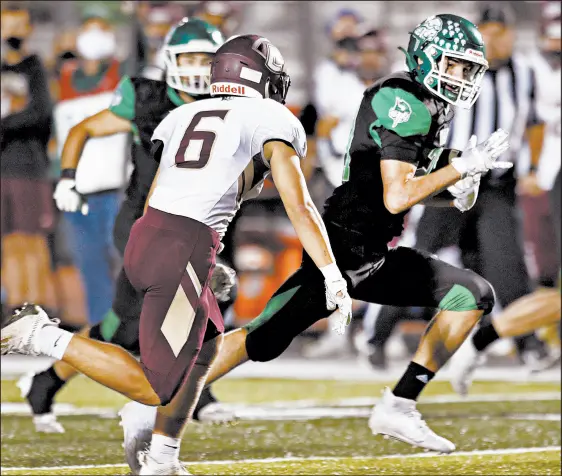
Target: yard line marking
pixel 503 451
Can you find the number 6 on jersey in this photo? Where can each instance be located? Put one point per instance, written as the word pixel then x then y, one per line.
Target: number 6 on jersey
pixel 196 146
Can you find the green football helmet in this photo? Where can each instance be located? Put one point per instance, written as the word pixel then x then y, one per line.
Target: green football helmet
pixel 432 43
pixel 190 35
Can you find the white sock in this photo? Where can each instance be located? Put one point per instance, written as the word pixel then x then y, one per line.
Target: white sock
pixel 165 449
pixel 53 341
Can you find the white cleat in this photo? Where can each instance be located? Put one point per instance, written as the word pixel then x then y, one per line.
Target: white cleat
pixel 466 360
pixel 216 413
pixel 19 333
pixel 47 423
pixel 398 418
pixel 149 466
pixel 137 421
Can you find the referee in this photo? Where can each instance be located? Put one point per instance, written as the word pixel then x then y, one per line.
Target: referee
pixel 488 235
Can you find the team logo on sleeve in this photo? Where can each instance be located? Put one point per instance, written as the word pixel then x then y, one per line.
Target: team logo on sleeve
pixel 400 112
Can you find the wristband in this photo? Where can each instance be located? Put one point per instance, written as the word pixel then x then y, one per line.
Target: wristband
pixel 68 174
pixel 331 272
pixel 532 168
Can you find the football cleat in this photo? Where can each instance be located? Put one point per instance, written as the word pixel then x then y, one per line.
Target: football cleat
pixel 137 421
pixel 398 418
pixel 149 466
pixel 19 333
pixel 44 422
pixel 47 423
pixel 466 360
pixel 208 409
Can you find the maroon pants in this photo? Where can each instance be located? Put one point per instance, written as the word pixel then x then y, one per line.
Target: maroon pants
pixel 27 206
pixel 171 258
pixel 540 237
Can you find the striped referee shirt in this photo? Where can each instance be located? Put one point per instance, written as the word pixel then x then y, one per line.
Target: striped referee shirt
pixel 507 101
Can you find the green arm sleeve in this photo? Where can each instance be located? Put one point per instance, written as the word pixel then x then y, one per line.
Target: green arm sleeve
pixel 401 112
pixel 123 101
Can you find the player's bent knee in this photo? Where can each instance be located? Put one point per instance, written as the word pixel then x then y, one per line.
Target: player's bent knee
pixel 262 348
pixel 470 293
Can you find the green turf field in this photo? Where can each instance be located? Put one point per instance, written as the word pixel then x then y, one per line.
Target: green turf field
pixel 517 431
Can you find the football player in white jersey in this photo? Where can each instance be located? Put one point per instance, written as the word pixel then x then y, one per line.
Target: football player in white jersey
pixel 213 154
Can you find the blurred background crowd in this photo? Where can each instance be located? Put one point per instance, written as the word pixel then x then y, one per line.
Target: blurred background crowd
pixel 55 51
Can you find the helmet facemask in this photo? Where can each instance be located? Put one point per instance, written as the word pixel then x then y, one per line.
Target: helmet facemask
pixel 456 91
pixel 188 67
pixel 278 90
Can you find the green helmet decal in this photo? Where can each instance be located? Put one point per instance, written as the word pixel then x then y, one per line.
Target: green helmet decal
pixel 201 40
pixel 438 41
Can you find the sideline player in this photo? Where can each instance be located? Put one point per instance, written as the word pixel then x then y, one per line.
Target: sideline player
pixel 213 154
pixel 138 106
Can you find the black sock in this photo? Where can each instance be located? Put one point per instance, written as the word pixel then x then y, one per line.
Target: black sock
pixel 43 390
pixel 484 336
pixel 413 381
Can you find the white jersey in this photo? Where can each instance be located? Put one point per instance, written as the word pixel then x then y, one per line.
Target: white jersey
pixel 549 109
pixel 213 155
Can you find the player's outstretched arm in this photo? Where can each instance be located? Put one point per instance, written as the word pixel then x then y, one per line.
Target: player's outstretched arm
pixel 291 184
pixel 103 123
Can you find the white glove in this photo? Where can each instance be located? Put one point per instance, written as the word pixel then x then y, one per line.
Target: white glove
pixel 222 281
pixel 68 199
pixel 337 296
pixel 465 192
pixel 483 157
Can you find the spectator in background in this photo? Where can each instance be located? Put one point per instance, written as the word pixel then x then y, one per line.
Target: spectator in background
pixel 26 203
pixel 86 88
pixel 158 21
pixel 223 15
pixel 373 53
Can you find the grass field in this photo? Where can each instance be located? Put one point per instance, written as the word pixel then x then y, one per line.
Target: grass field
pixel 504 428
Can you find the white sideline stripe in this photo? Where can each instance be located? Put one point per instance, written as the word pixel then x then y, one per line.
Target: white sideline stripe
pixel 504 451
pixel 297 409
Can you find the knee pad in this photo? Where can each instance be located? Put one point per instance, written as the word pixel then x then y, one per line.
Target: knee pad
pixel 470 293
pixel 262 348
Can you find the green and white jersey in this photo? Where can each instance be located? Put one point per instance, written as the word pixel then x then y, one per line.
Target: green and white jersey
pixel 144 102
pixel 398 119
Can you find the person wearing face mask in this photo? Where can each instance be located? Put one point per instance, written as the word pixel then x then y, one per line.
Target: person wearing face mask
pixel 137 106
pixel 27 209
pixel 86 88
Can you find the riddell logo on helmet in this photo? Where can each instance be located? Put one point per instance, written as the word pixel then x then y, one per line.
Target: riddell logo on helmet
pixel 223 88
pixel 474 53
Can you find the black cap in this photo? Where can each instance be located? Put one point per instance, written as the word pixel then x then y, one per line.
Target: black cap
pixel 497 14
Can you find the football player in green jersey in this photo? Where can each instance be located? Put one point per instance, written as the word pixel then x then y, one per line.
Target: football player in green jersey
pixel 395 160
